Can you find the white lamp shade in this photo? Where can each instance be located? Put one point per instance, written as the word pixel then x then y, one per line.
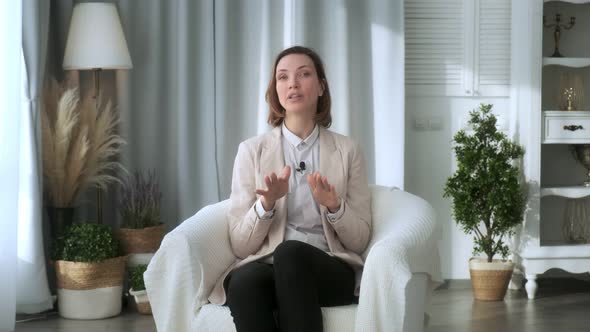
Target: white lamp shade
pixel 96 39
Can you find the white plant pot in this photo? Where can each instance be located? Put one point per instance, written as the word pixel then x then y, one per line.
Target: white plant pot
pixel 477 263
pixel 142 301
pixel 140 296
pixel 134 260
pixel 90 304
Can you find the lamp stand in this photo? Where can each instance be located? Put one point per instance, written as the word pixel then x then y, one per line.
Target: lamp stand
pixel 96 76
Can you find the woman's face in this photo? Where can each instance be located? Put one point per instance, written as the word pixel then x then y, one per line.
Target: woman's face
pixel 298 85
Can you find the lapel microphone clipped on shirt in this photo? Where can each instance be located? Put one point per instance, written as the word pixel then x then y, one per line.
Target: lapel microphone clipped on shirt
pixel 301 167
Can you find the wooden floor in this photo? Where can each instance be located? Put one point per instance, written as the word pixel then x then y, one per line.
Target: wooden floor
pixel 128 321
pixel 562 306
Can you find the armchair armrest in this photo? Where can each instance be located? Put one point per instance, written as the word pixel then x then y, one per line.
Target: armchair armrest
pixel 186 267
pixel 404 242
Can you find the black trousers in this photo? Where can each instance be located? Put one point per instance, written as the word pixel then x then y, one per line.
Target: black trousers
pixel 290 292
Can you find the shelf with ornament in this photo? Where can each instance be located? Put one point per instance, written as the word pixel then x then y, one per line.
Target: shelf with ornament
pixel 566 191
pixel 566 62
pixel 576 2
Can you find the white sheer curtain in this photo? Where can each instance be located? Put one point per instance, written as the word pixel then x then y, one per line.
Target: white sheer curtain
pixel 10 106
pixel 361 43
pixel 200 73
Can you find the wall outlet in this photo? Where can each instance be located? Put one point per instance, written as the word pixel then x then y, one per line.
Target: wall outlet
pixel 420 123
pixel 435 123
pixel 427 122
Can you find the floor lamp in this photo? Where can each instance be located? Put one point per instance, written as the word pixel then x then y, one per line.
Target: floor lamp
pixel 96 42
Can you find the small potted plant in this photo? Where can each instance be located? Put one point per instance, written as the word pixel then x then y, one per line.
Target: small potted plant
pixel 488 200
pixel 90 272
pixel 138 289
pixel 142 231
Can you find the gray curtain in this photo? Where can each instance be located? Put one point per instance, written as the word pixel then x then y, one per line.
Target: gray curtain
pixel 32 291
pixel 200 73
pixel 167 101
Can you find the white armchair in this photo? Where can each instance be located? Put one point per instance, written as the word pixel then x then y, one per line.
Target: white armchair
pixel 401 270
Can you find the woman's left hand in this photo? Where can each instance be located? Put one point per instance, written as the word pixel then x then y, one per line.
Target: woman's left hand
pixel 323 192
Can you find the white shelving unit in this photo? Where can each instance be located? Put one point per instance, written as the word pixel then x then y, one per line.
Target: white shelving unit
pixel 552 174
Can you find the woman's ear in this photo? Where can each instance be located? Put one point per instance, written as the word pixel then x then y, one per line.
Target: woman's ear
pixel 322 87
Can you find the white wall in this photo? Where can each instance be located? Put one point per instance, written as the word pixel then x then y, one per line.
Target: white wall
pixel 429 161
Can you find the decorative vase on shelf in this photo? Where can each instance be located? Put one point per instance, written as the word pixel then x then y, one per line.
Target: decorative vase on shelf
pixel 571 91
pixel 59 219
pixel 575 227
pixel 581 153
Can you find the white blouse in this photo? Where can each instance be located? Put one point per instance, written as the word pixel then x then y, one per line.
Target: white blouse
pixel 303 212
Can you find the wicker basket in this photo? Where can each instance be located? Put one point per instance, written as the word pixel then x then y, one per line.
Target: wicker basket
pixel 490 280
pixel 144 308
pixel 141 240
pixel 84 276
pixel 142 301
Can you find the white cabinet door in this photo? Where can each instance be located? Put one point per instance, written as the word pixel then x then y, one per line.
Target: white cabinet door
pixel 457 47
pixel 434 60
pixel 492 57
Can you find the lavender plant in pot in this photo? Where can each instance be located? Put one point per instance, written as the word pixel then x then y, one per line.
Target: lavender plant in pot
pixel 141 230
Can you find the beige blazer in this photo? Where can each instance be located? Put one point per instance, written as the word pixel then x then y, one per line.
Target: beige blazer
pixel 341 161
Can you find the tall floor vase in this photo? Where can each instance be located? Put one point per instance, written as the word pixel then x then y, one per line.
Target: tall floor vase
pixel 59 219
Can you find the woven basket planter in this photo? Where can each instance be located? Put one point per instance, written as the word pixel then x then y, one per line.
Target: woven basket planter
pixel 142 301
pixel 490 280
pixel 90 290
pixel 141 240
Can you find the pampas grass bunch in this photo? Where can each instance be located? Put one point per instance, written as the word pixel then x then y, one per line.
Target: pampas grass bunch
pixel 80 143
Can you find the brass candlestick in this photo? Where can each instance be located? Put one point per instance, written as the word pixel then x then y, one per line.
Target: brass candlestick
pixel 557 33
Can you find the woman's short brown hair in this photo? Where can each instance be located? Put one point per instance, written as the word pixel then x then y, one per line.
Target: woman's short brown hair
pixel 277 112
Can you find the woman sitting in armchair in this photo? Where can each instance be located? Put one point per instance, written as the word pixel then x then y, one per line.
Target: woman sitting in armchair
pixel 299 216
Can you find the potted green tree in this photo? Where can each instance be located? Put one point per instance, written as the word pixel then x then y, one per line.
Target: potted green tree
pixel 90 272
pixel 141 231
pixel 138 289
pixel 488 200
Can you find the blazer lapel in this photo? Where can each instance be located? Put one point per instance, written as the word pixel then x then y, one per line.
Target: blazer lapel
pixel 272 159
pixel 331 164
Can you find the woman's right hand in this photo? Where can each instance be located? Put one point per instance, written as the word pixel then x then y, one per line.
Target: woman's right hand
pixel 276 187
